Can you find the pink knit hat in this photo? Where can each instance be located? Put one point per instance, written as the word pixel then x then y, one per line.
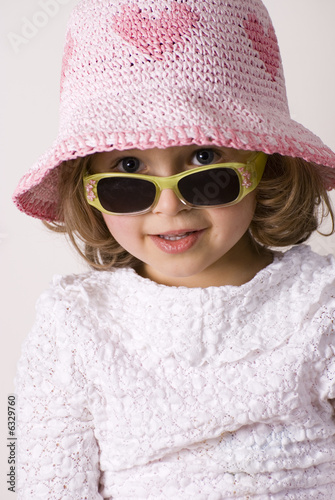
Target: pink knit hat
pixel 160 73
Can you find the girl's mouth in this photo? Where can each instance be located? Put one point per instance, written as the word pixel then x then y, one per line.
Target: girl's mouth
pixel 176 242
pixel 176 237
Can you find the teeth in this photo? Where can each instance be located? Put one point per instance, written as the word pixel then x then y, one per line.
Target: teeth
pixel 174 237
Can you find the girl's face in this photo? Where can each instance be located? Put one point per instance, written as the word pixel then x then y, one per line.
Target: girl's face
pixel 179 245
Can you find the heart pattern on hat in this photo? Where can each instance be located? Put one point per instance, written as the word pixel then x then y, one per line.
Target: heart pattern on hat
pixel 68 51
pixel 155 33
pixel 265 43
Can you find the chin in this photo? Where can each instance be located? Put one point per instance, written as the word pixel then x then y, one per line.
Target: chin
pixel 174 272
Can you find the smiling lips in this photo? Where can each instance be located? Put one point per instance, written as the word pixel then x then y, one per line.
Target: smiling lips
pixel 176 237
pixel 176 241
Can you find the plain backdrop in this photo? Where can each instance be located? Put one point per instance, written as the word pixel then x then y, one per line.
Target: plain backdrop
pixel 30 254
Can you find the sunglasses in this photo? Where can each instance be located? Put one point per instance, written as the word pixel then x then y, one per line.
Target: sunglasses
pixel 210 186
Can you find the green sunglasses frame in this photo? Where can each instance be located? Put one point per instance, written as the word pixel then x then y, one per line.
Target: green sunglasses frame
pixel 249 175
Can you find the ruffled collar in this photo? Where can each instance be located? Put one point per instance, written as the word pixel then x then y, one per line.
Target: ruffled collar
pixel 207 325
pixel 214 324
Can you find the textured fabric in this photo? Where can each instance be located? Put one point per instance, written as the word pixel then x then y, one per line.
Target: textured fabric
pixel 160 73
pixel 159 392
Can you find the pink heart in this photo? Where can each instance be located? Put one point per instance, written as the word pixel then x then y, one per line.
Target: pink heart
pixel 157 33
pixel 265 42
pixel 68 51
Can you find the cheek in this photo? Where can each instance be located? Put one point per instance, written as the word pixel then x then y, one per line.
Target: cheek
pixel 237 217
pixel 123 228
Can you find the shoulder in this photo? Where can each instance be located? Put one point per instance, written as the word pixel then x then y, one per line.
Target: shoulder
pixel 73 317
pixel 302 256
pixel 77 308
pixel 83 291
pixel 306 270
pixel 298 289
pixel 309 293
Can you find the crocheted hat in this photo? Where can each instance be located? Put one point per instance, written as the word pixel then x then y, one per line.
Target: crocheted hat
pixel 160 73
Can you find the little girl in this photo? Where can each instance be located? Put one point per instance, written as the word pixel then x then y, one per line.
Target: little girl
pixel 193 361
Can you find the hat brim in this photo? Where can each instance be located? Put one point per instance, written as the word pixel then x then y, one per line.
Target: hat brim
pixel 37 193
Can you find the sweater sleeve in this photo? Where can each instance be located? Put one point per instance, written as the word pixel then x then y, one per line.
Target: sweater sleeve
pixel 326 351
pixel 58 455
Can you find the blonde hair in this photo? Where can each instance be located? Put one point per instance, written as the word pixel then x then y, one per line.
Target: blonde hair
pixel 291 204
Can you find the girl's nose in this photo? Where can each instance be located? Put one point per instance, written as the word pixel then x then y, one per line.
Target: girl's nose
pixel 169 203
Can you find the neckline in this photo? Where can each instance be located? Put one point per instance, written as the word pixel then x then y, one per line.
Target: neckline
pixel 147 283
pixel 202 325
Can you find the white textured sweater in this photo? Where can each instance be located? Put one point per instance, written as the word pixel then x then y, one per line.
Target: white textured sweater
pixel 132 390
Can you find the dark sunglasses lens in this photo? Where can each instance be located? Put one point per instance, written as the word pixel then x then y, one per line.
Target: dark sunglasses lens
pixel 217 186
pixel 125 196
